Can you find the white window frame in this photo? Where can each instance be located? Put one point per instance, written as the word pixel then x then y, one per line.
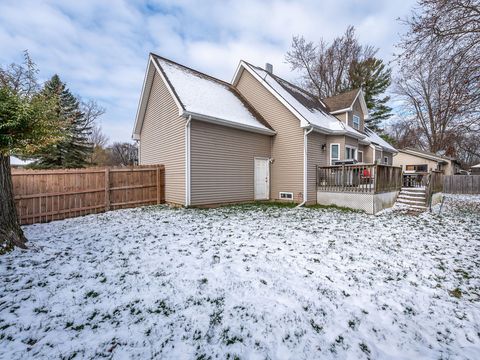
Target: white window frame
pixel 351 148
pixel 287 195
pixel 385 160
pixel 353 122
pixel 338 152
pixel 358 157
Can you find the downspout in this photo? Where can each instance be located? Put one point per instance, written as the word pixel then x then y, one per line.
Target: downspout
pixel 305 165
pixel 187 161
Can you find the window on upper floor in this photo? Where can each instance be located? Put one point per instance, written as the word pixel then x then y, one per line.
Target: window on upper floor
pixel 385 160
pixel 356 122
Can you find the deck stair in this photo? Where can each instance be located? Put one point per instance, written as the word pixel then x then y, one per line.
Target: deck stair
pixel 414 199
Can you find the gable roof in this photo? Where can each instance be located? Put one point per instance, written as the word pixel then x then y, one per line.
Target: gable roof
pixel 202 97
pixel 341 101
pixel 344 102
pixel 426 155
pixel 305 106
pixel 375 139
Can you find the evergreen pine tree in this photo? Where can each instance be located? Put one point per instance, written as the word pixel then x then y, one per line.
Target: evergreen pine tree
pixel 74 150
pixel 373 77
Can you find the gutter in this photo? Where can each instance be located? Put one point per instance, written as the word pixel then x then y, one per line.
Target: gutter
pixel 187 161
pixel 305 165
pixel 232 124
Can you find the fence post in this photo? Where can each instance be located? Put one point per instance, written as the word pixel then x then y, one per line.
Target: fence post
pixel 159 195
pixel 107 189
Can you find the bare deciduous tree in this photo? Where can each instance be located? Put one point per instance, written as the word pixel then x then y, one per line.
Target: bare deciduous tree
pixel 326 66
pixel 123 154
pixel 345 64
pixel 439 78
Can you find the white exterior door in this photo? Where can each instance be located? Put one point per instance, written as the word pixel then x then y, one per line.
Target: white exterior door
pixel 262 179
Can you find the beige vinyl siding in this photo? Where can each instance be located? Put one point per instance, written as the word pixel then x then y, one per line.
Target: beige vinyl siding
pixel 403 159
pixel 342 141
pixel 364 149
pixel 162 140
pixel 316 156
pixel 343 117
pixel 222 163
pixel 357 110
pixel 335 139
pixel 389 156
pixel 287 144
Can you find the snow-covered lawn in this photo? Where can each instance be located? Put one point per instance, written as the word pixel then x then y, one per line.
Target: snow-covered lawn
pixel 249 282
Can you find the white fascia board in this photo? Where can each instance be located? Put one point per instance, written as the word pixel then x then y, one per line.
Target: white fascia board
pixel 341 111
pixel 335 132
pixel 142 104
pixel 423 156
pixel 169 88
pixel 244 66
pixel 146 89
pixel 363 104
pixel 227 123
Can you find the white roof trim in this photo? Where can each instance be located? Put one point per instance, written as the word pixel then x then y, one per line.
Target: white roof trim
pixel 236 77
pixel 363 104
pixel 424 156
pixel 228 123
pixel 146 89
pixel 141 104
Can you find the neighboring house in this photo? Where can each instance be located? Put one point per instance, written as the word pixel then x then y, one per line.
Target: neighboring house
pixel 256 138
pixel 475 170
pixel 417 161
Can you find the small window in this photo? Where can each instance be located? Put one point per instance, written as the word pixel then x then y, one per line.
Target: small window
pixel 334 153
pixel 417 168
pixel 360 156
pixel 385 160
pixel 350 153
pixel 356 122
pixel 286 195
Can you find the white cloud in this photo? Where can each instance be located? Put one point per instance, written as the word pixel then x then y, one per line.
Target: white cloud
pixel 100 48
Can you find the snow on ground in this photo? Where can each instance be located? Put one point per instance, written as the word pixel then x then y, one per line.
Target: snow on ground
pixel 249 282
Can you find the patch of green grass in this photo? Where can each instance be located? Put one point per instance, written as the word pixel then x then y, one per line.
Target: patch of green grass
pixel 334 207
pixel 455 293
pixel 261 205
pixel 315 326
pixel 228 339
pixel 91 294
pixel 162 308
pixel 364 348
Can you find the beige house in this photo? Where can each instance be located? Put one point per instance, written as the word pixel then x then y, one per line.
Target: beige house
pixel 256 138
pixel 417 161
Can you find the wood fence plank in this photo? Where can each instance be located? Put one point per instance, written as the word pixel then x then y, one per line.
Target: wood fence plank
pixel 46 195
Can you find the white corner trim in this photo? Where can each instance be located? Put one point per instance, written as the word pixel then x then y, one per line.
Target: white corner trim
pixel 140 108
pixel 305 165
pixel 187 162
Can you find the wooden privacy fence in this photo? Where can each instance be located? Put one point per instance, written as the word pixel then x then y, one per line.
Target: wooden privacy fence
pixel 46 195
pixel 461 184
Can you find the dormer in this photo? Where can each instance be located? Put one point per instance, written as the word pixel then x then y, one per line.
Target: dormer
pixel 349 107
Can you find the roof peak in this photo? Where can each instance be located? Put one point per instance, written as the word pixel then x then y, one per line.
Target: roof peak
pixel 191 69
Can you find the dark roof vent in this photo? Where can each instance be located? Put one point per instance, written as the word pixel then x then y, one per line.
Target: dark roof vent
pixel 269 68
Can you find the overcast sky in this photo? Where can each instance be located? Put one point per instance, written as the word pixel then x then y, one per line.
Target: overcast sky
pixel 100 48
